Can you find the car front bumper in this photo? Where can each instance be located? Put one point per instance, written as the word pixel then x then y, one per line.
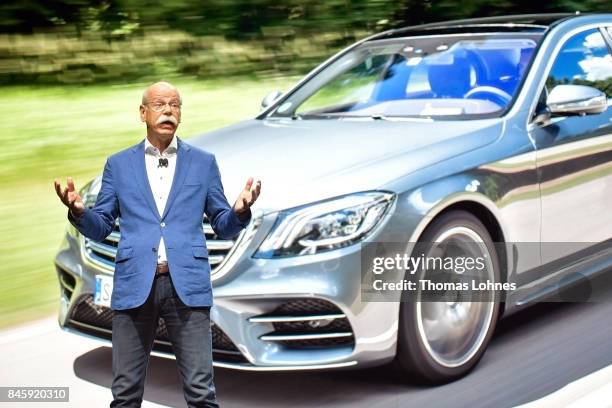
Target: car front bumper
pixel 294 313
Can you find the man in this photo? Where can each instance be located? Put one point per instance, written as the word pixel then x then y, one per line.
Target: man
pixel 161 188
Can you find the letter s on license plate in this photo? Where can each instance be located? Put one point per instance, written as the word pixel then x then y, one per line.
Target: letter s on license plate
pixel 104 290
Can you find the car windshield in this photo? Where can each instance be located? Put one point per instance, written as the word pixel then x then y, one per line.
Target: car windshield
pixel 445 76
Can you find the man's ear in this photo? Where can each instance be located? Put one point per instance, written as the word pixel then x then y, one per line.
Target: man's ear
pixel 142 113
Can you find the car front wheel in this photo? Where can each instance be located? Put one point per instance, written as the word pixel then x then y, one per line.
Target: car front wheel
pixel 440 341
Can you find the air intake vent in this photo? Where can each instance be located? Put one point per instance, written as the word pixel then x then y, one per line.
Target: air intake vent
pixel 307 323
pixel 98 320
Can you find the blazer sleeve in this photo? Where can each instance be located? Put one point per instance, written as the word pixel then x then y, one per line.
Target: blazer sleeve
pixel 98 222
pixel 223 219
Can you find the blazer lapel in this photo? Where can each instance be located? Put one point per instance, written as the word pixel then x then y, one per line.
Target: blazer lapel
pixel 140 171
pixel 183 159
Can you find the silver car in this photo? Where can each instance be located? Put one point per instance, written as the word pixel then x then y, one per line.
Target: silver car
pixel 494 130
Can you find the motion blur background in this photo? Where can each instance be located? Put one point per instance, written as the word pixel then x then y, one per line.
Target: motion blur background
pixel 72 73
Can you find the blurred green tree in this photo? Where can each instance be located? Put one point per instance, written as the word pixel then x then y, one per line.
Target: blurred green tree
pixel 195 37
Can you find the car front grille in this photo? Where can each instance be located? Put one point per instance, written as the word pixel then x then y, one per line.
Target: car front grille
pixel 307 323
pixel 98 320
pixel 103 253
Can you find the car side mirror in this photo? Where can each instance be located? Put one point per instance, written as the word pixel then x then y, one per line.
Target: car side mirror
pixel 577 100
pixel 269 99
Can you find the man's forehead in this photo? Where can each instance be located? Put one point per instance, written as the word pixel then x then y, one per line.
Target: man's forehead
pixel 154 97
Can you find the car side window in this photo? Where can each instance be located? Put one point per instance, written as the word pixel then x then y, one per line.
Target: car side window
pixel 583 60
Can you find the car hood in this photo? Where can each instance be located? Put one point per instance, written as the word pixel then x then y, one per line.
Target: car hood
pixel 302 161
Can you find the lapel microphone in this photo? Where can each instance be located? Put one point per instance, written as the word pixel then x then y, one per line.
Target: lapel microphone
pixel 163 162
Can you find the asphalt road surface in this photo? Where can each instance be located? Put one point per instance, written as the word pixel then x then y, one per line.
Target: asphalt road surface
pixel 533 354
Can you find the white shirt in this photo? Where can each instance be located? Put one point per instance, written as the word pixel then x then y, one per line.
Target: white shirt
pixel 160 180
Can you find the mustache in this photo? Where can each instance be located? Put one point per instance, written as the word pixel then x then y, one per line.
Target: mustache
pixel 166 118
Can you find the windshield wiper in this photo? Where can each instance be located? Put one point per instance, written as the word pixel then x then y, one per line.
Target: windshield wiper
pixel 299 116
pixel 378 116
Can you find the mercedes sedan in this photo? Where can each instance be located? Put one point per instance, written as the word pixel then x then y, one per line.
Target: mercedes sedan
pixel 494 130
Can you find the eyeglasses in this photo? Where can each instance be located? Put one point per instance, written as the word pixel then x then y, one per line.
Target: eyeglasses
pixel 159 106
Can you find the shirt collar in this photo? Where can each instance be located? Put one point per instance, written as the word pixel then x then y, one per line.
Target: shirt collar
pixel 172 147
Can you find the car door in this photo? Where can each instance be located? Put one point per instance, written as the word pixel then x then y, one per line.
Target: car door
pixel 574 153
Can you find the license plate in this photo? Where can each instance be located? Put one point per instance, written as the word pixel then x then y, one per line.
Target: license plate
pixel 104 290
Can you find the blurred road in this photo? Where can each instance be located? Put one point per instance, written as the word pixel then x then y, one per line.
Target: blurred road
pixel 533 354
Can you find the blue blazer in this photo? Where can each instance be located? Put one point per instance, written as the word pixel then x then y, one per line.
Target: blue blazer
pixel 125 192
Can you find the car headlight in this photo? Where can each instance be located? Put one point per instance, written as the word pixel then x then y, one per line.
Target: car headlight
pixel 325 225
pixel 91 191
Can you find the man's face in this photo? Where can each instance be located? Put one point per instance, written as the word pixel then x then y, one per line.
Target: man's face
pixel 167 101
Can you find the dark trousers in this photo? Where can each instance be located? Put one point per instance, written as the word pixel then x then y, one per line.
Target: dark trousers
pixel 189 332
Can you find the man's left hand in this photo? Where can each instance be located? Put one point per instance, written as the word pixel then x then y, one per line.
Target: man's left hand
pixel 247 196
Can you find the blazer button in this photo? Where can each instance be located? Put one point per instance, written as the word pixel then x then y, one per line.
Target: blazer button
pixel 163 224
pixel 154 249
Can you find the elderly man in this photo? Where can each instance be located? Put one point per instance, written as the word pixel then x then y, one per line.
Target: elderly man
pixel 161 187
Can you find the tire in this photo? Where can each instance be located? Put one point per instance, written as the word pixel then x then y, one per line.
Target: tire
pixel 421 359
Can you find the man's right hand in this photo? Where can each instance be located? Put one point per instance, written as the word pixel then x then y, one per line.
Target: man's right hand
pixel 70 197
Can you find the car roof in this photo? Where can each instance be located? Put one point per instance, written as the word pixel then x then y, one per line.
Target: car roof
pixel 508 23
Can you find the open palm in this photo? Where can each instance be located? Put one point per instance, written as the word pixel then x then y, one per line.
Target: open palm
pixel 247 196
pixel 70 197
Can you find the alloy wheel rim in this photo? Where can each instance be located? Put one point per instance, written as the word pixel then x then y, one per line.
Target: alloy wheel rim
pixel 453 331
